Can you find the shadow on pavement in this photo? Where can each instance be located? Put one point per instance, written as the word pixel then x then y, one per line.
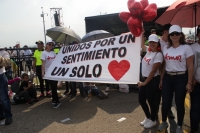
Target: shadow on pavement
pixel 40 115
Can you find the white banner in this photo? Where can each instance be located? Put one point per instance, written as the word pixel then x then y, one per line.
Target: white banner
pixel 110 60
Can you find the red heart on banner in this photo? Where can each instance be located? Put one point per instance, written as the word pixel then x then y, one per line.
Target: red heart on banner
pixel 117 70
pixel 124 16
pixel 135 26
pixel 150 12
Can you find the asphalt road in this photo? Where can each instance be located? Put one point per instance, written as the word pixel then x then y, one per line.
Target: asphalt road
pixel 87 115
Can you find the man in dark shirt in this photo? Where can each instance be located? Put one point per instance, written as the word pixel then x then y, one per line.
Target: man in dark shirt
pixel 27 90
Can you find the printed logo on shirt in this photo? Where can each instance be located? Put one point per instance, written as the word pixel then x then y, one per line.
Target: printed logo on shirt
pixel 178 57
pixel 147 60
pixel 50 58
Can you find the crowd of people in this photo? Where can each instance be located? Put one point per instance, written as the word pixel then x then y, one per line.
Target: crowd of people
pixel 169 69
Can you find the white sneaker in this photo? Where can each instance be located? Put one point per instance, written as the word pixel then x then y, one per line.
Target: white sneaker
pixel 150 124
pixel 107 89
pixel 146 120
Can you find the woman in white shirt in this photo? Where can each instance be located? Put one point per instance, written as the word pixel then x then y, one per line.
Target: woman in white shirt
pixel 151 78
pixel 47 58
pixel 176 75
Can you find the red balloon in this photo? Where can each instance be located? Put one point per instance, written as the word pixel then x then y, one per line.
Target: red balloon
pixel 136 9
pixel 124 16
pixel 135 26
pixel 150 13
pixel 144 3
pixel 129 3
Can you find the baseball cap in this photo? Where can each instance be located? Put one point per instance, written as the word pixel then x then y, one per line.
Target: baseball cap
pixel 153 38
pixel 153 30
pixel 49 41
pixel 39 42
pixel 175 28
pixel 198 29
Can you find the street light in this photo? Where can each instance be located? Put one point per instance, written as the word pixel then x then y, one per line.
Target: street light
pixel 42 15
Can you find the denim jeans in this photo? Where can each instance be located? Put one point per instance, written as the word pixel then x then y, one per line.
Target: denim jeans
pixel 5 108
pixel 150 93
pixel 94 90
pixel 171 84
pixel 195 108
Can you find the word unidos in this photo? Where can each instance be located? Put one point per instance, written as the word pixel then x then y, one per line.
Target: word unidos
pixel 178 57
pixel 99 43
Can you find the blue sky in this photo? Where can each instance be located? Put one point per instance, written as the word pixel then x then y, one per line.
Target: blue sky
pixel 21 21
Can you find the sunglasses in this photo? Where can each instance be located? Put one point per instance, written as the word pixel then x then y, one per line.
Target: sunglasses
pixel 175 33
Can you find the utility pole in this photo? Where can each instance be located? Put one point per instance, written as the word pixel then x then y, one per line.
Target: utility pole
pixel 42 15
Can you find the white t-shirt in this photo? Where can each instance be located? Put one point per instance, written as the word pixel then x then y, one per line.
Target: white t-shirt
pixel 5 55
pixel 175 58
pixel 27 52
pixel 149 60
pixel 162 43
pixel 48 57
pixel 21 53
pixel 196 49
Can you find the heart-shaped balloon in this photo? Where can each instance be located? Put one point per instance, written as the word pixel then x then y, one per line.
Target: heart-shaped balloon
pixel 135 26
pixel 136 9
pixel 150 12
pixel 144 3
pixel 129 3
pixel 124 16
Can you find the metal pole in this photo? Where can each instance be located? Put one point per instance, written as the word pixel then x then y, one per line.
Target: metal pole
pixel 195 15
pixel 43 25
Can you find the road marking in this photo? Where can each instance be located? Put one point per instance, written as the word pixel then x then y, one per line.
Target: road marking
pixel 187 113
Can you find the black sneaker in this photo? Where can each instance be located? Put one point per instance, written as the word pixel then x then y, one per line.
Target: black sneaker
pixel 57 105
pixel 72 96
pixel 66 92
pixel 171 115
pixel 8 121
pixel 53 103
pixel 2 118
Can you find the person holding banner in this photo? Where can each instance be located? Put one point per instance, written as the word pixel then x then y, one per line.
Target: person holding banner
pixel 47 58
pixel 149 86
pixel 176 75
